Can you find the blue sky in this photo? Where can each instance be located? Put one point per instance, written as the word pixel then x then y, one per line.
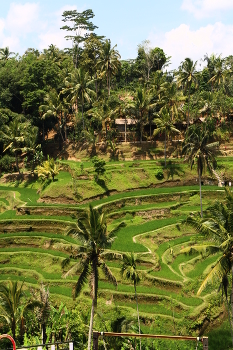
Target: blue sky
pixel 182 28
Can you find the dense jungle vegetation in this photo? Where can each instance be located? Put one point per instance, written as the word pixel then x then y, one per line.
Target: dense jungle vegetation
pixel 102 165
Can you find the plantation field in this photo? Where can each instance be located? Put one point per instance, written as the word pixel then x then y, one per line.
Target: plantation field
pixel 34 241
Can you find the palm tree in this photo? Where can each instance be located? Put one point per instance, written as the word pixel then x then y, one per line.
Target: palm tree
pixel 200 151
pixel 5 53
pixel 79 88
pixel 218 72
pixel 218 227
pixel 109 61
pixel 11 300
pixel 14 136
pixel 141 105
pixel 52 107
pixel 129 271
pixel 48 169
pixel 91 228
pixel 164 125
pixel 187 75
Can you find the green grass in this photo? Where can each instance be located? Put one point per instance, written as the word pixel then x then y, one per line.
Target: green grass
pixel 124 241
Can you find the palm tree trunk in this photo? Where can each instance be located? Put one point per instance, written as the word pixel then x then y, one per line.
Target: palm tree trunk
pixel 96 86
pixel 109 83
pixel 82 116
pixel 91 324
pixel 125 129
pixel 17 162
pixel 139 329
pixel 199 173
pixel 165 160
pixel 188 106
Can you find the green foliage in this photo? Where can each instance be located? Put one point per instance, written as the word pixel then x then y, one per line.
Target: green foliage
pixel 159 175
pixel 99 166
pixel 7 163
pixel 48 170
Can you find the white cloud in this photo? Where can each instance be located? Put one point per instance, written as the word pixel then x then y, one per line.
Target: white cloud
pixel 182 42
pixel 22 19
pixel 206 8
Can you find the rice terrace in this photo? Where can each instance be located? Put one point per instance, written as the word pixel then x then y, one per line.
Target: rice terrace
pixel 116 202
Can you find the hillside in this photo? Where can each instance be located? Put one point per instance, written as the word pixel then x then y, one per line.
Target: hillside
pixel 34 222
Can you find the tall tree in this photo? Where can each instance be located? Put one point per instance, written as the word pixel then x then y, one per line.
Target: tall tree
pixel 109 62
pixel 141 105
pixel 81 28
pixel 91 228
pixel 5 53
pixel 165 125
pixel 187 75
pixel 14 136
pixel 79 88
pixel 129 271
pixel 200 151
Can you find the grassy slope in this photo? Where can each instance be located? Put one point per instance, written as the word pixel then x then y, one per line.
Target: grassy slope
pixel 165 281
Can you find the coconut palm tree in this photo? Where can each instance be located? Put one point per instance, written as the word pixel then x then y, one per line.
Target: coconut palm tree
pixel 164 125
pixel 218 227
pixel 109 61
pixel 187 75
pixel 14 136
pixel 218 72
pixel 142 105
pixel 5 53
pixel 52 107
pixel 91 228
pixel 129 272
pixel 79 88
pixel 199 150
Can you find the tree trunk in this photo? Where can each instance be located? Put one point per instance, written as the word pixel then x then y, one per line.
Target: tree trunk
pixel 17 162
pixel 91 324
pixel 188 107
pixel 82 116
pixel 165 153
pixel 139 329
pixel 199 173
pixel 125 129
pixel 96 86
pixel 109 83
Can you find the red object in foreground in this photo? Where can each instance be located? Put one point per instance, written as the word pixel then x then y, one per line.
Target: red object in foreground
pixel 9 337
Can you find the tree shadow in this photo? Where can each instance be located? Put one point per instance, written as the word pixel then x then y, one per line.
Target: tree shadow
pixel 173 169
pixel 102 184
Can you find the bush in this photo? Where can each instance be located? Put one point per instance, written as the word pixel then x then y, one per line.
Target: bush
pixel 159 175
pixel 7 164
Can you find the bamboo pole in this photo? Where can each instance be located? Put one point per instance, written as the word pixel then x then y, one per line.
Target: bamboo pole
pixel 96 335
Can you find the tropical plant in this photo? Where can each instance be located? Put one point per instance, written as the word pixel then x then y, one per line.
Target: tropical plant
pixel 11 301
pixel 199 150
pixel 48 169
pixel 79 88
pixel 217 226
pixel 187 75
pixel 91 228
pixel 14 135
pixel 109 62
pixel 129 272
pixel 164 125
pixel 5 53
pixel 141 105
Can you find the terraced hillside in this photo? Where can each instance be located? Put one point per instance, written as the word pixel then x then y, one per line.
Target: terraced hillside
pixel 33 244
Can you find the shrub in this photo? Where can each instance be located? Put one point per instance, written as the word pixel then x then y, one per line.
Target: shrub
pixel 159 175
pixel 7 163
